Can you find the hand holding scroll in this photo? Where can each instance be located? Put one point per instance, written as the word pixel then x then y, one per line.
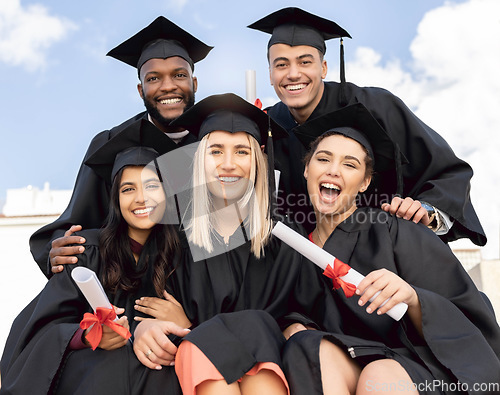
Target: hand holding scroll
pixel 390 287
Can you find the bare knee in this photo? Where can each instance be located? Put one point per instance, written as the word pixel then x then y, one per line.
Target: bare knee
pixel 339 373
pixel 217 387
pixel 264 382
pixel 384 375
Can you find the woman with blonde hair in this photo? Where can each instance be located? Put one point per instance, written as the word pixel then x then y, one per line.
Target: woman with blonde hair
pixel 249 200
pixel 236 279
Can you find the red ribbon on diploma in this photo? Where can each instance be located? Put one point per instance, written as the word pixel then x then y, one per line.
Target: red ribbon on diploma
pixel 102 316
pixel 340 269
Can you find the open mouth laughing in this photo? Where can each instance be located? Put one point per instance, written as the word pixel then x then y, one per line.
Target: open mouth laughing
pixel 329 192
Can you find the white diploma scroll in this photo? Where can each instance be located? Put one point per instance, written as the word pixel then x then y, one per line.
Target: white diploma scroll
pixel 91 287
pixel 277 175
pixel 251 86
pixel 322 259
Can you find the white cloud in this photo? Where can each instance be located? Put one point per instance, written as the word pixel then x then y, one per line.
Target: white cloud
pixel 26 33
pixel 458 51
pixel 176 5
pixel 366 70
pixel 454 87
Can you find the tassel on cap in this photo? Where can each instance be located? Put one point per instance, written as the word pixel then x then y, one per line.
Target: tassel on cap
pixel 399 173
pixel 342 93
pixel 271 177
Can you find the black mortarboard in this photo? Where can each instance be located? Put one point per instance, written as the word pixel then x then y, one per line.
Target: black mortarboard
pixel 230 113
pixel 356 122
pixel 294 26
pixel 136 145
pixel 161 39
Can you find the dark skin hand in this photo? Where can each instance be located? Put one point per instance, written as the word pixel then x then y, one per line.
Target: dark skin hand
pixel 62 253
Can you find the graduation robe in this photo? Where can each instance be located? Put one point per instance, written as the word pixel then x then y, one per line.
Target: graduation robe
pixel 434 174
pixel 37 358
pixel 461 336
pixel 235 281
pixel 213 289
pixel 89 201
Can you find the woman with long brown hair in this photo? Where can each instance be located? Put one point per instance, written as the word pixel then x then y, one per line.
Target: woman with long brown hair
pixel 133 256
pixel 447 341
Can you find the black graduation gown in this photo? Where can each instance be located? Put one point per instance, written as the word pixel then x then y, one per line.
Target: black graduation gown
pixel 434 174
pixel 89 202
pixel 223 296
pixel 37 359
pixel 461 335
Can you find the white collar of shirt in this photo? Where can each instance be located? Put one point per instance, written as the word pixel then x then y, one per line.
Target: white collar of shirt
pixel 177 136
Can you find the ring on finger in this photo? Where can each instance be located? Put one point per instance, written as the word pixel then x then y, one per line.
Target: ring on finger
pixel 148 353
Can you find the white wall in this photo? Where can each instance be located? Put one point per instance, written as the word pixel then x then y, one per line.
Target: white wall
pixel 20 278
pixel 33 201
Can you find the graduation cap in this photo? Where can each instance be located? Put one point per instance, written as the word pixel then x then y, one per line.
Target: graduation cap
pixel 160 40
pixel 229 112
pixel 357 123
pixel 294 26
pixel 136 145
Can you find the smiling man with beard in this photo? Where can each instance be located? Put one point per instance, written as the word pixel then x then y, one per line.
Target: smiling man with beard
pixel 167 88
pixel 164 55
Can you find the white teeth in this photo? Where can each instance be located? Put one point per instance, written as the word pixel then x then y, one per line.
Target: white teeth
pixel 229 179
pixel 296 87
pixel 330 186
pixel 171 101
pixel 143 211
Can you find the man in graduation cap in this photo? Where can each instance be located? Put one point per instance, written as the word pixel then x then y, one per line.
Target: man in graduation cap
pixel 164 55
pixel 436 183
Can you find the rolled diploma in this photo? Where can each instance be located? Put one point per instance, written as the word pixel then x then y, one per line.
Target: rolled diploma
pixel 277 175
pixel 322 259
pixel 91 287
pixel 251 86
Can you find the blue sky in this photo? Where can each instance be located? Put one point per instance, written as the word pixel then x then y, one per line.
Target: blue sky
pixel 59 89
